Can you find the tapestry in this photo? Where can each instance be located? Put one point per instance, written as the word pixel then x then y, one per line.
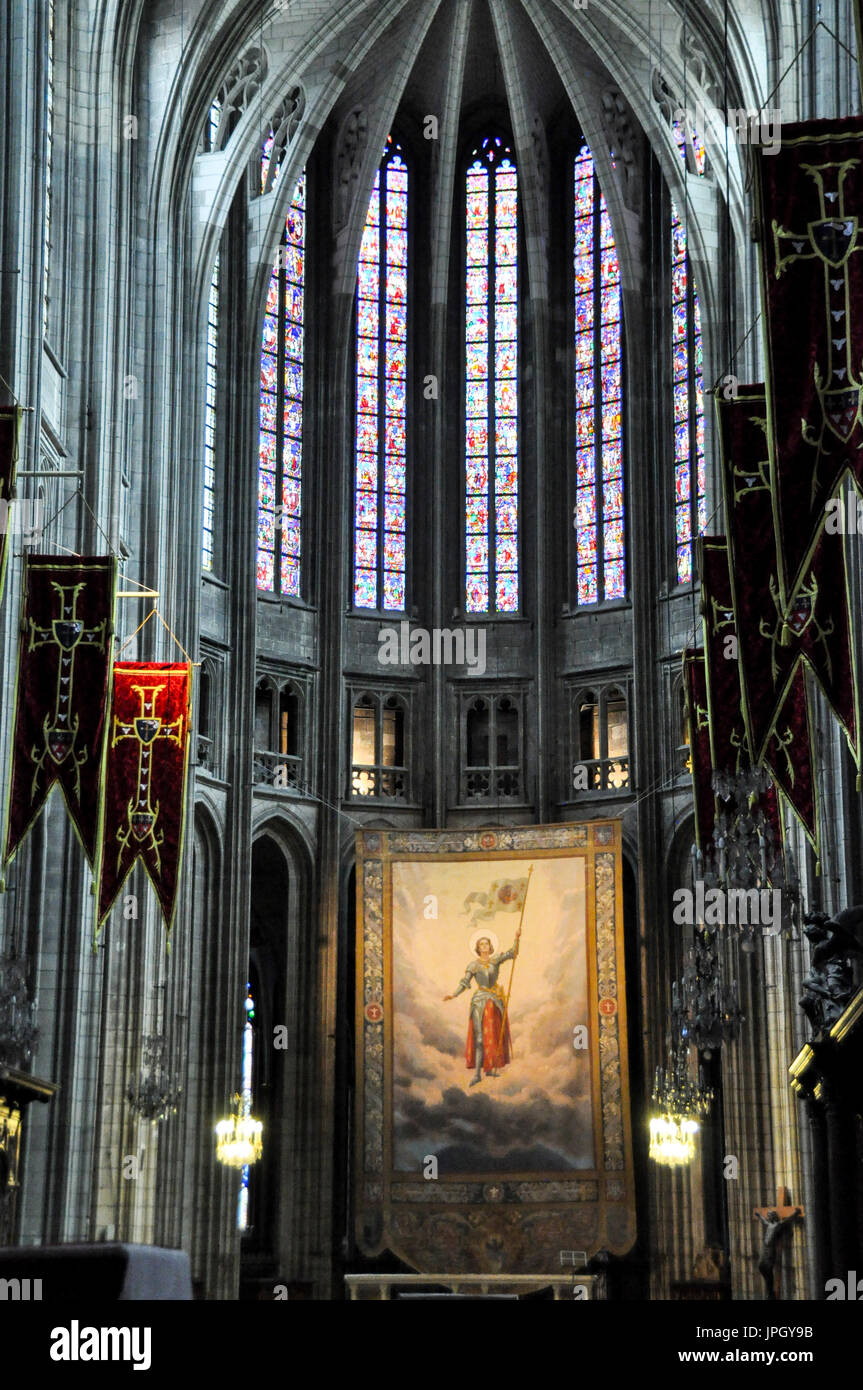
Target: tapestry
pixel 493 1123
pixel 64 656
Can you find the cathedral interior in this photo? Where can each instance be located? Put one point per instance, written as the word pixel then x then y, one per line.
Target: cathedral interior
pixel 381 347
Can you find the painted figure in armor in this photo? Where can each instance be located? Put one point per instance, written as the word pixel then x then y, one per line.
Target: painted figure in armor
pixel 489 1044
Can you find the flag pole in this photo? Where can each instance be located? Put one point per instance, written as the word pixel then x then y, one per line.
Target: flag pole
pixel 515 958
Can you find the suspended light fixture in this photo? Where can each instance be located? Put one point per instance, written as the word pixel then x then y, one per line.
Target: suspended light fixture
pixel 704 1011
pixel 239 1139
pixel 745 853
pixel 158 1091
pixel 679 1102
pixel 672 1140
pixel 18 1031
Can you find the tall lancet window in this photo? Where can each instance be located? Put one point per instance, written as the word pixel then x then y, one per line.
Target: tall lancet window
pixel 280 439
pixel 210 390
pixel 690 500
pixel 246 1097
pixel 380 486
pixel 599 506
pixel 491 381
pixel 47 238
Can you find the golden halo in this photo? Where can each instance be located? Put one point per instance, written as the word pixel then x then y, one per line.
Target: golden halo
pixel 478 936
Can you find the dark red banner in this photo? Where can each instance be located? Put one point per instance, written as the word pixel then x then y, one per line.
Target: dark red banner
pixel 145 780
pixel 64 658
pixel 9 422
pixel 728 743
pixel 814 627
pixel 698 729
pixel 788 755
pixel 730 747
pixel 810 194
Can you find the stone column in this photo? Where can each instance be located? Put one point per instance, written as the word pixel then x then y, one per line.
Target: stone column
pixel 818 1206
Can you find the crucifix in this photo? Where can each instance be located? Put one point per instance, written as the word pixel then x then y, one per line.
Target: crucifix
pixel 775 1221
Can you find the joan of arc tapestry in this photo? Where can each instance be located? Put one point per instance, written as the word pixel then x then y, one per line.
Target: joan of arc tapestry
pixel 493 1117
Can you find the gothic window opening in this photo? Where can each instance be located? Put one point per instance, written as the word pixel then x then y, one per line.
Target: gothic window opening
pixel 279 733
pixel 491 381
pixel 600 740
pixel 491 769
pixel 380 456
pixel 282 129
pixel 289 723
pixel 684 752
pixel 264 717
pixel 246 1101
pixel 206 742
pixel 599 499
pixel 378 748
pixel 211 374
pixel 280 440
pixel 690 497
pixel 47 236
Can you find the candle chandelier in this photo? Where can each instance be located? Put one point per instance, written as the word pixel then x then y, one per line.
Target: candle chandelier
pixel 679 1102
pixel 745 852
pixel 157 1094
pixel 704 1011
pixel 239 1136
pixel 18 1032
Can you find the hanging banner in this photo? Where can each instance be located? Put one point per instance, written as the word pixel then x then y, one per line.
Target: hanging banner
pixel 64 657
pixel 814 627
pixel 788 755
pixel 810 200
pixel 730 748
pixel 145 780
pixel 9 423
pixel 698 731
pixel 728 743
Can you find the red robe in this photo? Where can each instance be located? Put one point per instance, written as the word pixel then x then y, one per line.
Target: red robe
pixel 497 1049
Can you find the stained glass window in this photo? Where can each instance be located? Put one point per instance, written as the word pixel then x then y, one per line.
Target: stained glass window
pixel 280 438
pixel 210 385
pixel 690 501
pixel 246 1102
pixel 381 392
pixel 49 162
pixel 599 505
pixel 491 381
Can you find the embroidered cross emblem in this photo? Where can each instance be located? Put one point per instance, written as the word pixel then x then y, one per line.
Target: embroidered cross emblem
pixel 147 728
pixel 798 616
pixel 832 238
pixel 68 632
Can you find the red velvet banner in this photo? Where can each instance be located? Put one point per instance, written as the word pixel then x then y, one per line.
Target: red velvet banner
pixel 145 780
pixel 774 639
pixel 695 691
pixel 64 656
pixel 9 422
pixel 810 195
